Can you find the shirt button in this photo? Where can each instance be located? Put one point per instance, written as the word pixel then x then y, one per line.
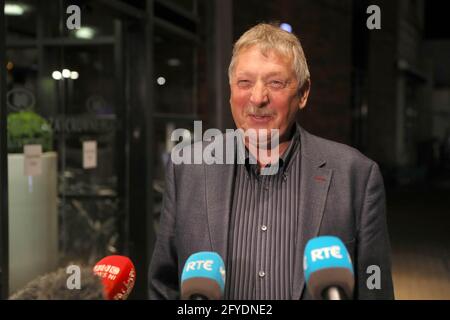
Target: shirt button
pixel 261 274
pixel 263 227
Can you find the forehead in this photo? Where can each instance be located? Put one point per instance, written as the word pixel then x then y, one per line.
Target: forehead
pixel 254 59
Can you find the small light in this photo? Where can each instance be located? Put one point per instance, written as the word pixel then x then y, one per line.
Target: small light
pixel 286 27
pixel 66 73
pixel 85 33
pixel 9 66
pixel 74 75
pixel 174 62
pixel 13 9
pixel 56 75
pixel 161 81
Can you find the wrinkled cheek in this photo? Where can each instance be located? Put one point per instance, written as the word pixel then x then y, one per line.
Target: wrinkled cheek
pixel 239 101
pixel 238 106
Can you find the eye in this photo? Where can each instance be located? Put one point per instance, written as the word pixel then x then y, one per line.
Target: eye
pixel 277 84
pixel 244 83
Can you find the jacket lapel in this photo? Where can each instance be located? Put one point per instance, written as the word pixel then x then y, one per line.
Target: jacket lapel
pixel 219 190
pixel 314 184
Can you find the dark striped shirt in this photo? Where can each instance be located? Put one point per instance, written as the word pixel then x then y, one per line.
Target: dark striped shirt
pixel 263 228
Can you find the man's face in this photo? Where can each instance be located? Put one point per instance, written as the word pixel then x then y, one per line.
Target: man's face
pixel 264 92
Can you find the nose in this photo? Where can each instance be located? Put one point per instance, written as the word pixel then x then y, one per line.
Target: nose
pixel 259 96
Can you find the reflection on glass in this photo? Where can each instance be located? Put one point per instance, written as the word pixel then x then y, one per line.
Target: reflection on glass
pixel 65 213
pixel 175 73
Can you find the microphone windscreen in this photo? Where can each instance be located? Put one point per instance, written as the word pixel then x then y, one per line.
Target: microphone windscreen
pixel 327 263
pixel 203 276
pixel 118 276
pixel 54 286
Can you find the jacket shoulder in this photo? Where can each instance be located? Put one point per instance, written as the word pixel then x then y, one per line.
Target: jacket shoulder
pixel 338 154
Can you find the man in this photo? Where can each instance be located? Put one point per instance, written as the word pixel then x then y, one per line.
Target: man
pixel 260 223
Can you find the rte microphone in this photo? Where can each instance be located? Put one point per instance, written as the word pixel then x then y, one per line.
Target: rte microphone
pixel 203 277
pixel 328 269
pixel 118 276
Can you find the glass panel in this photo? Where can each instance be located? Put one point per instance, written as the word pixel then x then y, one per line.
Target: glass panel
pixel 66 212
pixel 20 19
pixel 95 22
pixel 86 112
pixel 177 95
pixel 188 5
pixel 175 73
pixel 62 93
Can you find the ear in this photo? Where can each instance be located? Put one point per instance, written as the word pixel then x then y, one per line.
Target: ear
pixel 304 93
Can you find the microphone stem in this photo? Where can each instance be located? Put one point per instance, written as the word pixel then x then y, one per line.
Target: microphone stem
pixel 334 293
pixel 198 296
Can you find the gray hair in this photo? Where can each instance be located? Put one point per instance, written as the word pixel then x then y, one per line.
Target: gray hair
pixel 271 37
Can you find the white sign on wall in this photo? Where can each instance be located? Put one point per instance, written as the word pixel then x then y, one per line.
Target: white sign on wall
pixel 33 160
pixel 89 154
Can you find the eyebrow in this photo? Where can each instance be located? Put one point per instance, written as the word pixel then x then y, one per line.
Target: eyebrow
pixel 270 74
pixel 244 74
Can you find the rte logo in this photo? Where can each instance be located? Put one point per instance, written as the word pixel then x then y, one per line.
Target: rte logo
pixel 200 264
pixel 326 253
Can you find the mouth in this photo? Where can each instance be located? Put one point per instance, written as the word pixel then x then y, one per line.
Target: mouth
pixel 260 118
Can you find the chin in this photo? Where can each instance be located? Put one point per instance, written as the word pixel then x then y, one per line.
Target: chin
pixel 263 135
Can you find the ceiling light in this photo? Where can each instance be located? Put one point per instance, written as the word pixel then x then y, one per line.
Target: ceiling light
pixel 85 33
pixel 56 75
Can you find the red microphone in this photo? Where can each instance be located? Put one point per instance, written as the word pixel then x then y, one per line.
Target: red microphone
pixel 118 276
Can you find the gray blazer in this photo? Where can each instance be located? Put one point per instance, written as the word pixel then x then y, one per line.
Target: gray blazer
pixel 342 194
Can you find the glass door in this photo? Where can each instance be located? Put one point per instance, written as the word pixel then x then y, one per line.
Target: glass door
pixel 65 104
pixel 90 112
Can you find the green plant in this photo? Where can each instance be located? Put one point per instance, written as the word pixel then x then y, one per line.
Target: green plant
pixel 27 127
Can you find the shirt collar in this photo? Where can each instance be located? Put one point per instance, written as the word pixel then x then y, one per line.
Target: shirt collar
pixel 284 160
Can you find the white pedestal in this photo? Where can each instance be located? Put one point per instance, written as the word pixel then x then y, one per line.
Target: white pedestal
pixel 33 220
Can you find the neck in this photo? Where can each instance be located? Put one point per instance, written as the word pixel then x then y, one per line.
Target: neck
pixel 268 154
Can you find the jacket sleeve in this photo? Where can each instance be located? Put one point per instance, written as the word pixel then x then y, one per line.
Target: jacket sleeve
pixel 163 270
pixel 373 261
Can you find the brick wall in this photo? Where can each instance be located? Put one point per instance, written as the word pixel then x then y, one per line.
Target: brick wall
pixel 324 28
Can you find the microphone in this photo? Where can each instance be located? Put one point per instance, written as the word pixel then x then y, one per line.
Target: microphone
pixel 203 277
pixel 328 269
pixel 53 286
pixel 118 276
